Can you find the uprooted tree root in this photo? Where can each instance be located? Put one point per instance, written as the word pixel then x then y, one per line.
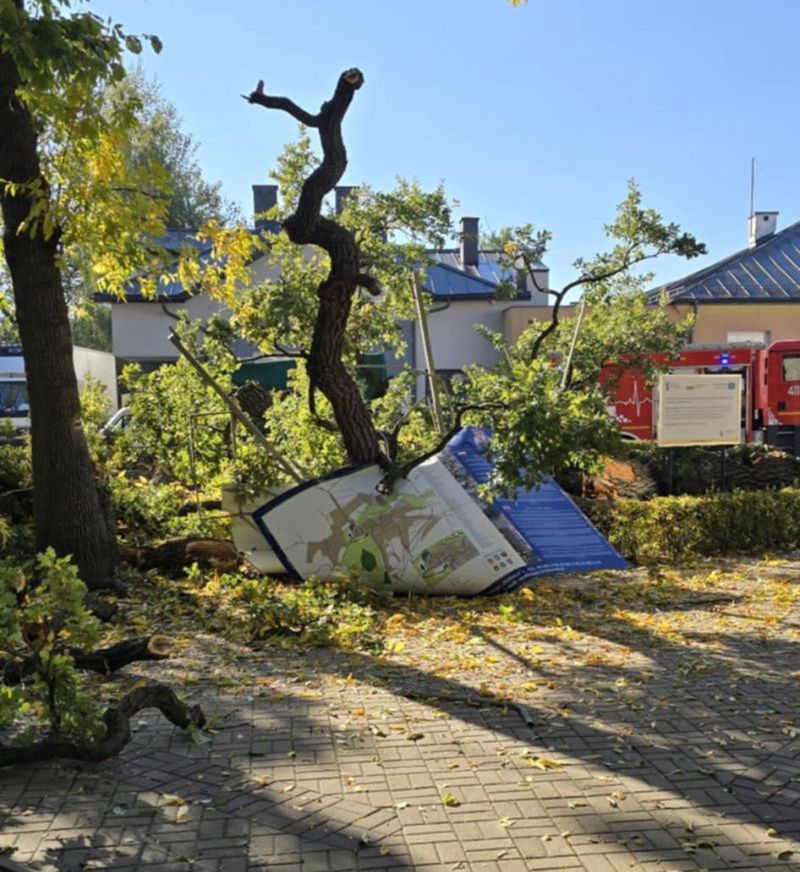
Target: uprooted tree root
pixel 117 724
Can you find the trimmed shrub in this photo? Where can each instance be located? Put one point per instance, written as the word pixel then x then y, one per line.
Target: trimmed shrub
pixel 675 528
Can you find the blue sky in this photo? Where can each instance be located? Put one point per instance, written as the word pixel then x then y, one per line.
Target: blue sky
pixel 537 114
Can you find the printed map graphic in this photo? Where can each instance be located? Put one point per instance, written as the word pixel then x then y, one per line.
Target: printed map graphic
pixel 367 528
pixel 428 535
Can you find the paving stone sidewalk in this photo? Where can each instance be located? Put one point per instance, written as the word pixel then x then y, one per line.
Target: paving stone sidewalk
pixel 327 760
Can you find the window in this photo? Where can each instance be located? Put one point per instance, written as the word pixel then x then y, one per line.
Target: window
pixel 791 367
pixel 761 337
pixel 13 399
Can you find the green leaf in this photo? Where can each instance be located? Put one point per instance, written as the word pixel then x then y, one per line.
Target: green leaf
pixel 133 44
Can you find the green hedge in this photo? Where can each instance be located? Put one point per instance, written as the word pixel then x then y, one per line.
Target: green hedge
pixel 674 528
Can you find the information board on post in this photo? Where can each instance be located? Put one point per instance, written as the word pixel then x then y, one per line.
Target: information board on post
pixel 699 410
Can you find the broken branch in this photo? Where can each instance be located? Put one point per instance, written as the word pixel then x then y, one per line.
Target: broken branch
pixel 103 660
pixel 118 729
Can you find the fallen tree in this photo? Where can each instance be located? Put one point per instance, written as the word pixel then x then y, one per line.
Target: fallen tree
pixel 543 400
pixel 174 555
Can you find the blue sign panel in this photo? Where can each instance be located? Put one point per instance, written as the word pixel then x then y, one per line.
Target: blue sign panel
pixel 545 525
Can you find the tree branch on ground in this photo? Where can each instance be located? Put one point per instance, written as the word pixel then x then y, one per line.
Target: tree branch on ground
pixel 102 660
pixel 116 720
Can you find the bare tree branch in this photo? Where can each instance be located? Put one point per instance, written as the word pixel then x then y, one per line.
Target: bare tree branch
pixel 584 280
pixel 307 226
pixel 283 103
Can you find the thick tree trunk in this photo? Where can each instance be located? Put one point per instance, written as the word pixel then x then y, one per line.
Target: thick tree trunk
pixel 67 510
pixel 326 371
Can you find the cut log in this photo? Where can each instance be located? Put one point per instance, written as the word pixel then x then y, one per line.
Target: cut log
pixel 174 555
pixel 620 479
pixel 108 660
pixel 765 469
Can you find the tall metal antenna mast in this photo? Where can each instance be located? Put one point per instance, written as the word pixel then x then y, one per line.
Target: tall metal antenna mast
pixel 752 184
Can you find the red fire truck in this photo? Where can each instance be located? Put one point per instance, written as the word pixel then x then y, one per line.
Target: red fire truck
pixel 770 395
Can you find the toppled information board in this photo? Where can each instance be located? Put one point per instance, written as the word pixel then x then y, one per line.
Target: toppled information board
pixel 431 535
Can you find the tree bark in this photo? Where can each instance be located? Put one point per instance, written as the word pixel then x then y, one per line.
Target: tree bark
pixel 67 510
pixel 173 556
pixel 306 226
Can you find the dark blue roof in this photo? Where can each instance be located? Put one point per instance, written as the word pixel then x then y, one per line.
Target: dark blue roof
pixel 449 279
pixel 770 272
pixel 446 278
pixel 171 290
pixel 168 291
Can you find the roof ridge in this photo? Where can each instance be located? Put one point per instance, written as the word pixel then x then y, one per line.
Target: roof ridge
pixel 474 278
pixel 685 284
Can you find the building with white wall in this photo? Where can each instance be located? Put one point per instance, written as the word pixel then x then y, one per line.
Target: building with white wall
pixel 463 283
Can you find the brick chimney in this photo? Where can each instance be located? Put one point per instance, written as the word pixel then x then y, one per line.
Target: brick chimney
pixel 469 241
pixel 761 226
pixel 342 193
pixel 264 198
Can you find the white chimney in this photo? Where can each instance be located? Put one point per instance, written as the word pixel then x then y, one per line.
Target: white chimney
pixel 761 226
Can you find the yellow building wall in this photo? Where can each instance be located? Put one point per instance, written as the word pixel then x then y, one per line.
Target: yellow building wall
pixel 516 320
pixel 715 321
pixel 713 324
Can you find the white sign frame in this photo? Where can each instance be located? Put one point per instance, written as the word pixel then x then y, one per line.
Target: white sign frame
pixel 699 409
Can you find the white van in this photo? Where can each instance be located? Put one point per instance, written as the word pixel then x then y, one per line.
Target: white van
pixel 14 393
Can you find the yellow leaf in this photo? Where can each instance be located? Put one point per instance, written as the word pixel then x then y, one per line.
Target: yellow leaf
pixel 173 799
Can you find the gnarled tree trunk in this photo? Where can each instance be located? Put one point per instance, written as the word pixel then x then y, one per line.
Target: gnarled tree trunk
pixel 306 226
pixel 68 512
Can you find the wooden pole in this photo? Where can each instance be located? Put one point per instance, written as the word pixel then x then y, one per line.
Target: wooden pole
pixel 430 372
pixel 568 364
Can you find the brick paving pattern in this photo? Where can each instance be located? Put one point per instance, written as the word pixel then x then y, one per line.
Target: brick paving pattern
pixel 328 760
